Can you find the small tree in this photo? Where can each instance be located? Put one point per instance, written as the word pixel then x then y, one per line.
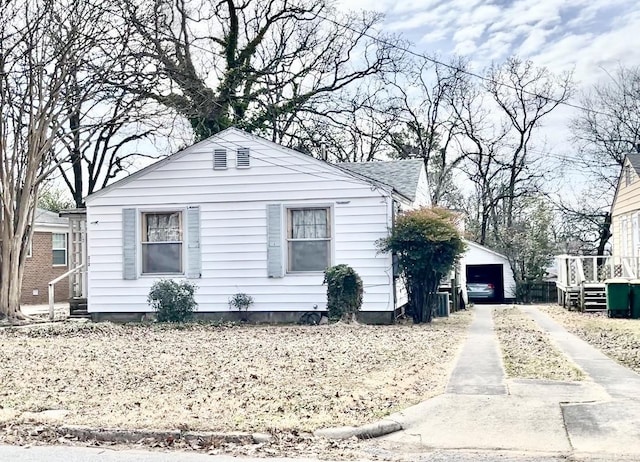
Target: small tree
pixel 427 244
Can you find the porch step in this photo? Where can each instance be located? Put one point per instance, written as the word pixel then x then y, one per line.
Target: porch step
pixel 594 298
pixel 78 308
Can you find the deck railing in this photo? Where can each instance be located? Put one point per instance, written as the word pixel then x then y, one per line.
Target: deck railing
pixel 574 271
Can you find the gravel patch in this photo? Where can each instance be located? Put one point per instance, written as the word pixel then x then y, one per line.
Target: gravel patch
pixel 224 378
pixel 528 352
pixel 617 338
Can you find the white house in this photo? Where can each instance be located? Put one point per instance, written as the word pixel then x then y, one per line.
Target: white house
pixel 481 264
pixel 237 213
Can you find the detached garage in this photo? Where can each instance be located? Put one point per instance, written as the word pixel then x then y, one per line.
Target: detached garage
pixel 490 270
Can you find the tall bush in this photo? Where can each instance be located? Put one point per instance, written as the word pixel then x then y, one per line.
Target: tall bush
pixel 172 301
pixel 344 292
pixel 427 243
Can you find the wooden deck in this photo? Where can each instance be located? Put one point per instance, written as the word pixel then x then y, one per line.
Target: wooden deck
pixel 581 280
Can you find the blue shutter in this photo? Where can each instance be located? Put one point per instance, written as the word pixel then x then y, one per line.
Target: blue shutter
pixel 194 255
pixel 129 241
pixel 275 268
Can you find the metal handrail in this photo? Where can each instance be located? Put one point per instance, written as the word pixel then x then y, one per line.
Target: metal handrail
pixel 52 288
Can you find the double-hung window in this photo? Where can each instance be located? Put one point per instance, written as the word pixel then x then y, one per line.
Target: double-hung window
pixel 162 242
pixel 59 249
pixel 309 239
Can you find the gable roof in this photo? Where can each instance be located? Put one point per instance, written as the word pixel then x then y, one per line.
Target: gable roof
pixel 336 167
pixel 45 217
pixel 402 175
pixel 634 160
pixel 484 248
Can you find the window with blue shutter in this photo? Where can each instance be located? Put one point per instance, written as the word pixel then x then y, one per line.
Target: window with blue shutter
pixel 162 241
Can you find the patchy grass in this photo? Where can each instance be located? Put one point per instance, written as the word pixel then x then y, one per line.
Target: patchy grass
pixel 527 350
pixel 203 377
pixel 617 338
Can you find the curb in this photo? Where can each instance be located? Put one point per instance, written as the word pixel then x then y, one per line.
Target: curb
pixel 83 433
pixel 363 432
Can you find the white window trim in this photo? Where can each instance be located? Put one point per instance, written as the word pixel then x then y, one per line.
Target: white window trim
pixel 285 226
pixel 66 249
pixel 30 248
pixel 634 235
pixel 139 243
pixel 624 235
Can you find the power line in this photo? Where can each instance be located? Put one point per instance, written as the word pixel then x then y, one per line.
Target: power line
pixel 392 45
pixel 336 115
pixel 456 68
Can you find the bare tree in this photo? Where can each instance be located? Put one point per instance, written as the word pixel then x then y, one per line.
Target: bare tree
pixel 525 94
pixel 605 132
pixel 355 129
pixel 252 64
pixel 431 126
pixel 103 121
pixel 38 42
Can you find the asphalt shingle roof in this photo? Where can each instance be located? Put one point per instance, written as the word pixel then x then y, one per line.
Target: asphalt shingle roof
pixel 401 175
pixel 634 159
pixel 45 217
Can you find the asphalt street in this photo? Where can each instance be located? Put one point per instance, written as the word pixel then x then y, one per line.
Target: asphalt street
pixel 83 454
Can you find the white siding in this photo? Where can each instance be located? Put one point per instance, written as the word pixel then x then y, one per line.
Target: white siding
pixel 479 255
pixel 233 216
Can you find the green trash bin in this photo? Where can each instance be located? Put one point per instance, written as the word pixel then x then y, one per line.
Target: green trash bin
pixel 617 298
pixel 634 300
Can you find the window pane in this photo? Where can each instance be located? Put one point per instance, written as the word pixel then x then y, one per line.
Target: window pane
pixel 162 227
pixel 59 257
pixel 309 224
pixel 308 255
pixel 59 241
pixel 162 258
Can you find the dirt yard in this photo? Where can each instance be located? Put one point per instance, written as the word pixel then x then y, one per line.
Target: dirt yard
pixel 527 351
pixel 202 377
pixel 617 338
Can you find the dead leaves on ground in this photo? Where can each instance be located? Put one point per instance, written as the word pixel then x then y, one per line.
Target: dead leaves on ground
pixel 527 351
pixel 204 377
pixel 617 338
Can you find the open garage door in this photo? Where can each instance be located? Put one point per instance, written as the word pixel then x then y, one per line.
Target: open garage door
pixel 485 283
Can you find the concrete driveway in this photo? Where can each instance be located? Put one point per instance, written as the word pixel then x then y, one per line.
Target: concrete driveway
pixel 481 409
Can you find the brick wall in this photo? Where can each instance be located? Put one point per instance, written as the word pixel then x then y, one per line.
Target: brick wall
pixel 39 270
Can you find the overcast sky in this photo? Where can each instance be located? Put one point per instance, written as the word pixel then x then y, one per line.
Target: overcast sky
pixel 589 37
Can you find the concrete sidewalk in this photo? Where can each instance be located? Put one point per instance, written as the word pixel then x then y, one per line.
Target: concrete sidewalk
pixel 482 410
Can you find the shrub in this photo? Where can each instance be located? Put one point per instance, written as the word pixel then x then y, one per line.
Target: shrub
pixel 241 301
pixel 344 292
pixel 428 244
pixel 172 301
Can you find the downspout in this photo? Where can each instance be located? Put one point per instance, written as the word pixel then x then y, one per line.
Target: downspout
pixel 394 260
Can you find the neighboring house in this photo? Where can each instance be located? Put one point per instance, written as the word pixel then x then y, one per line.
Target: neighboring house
pixel 480 264
pixel 47 259
pixel 625 210
pixel 237 213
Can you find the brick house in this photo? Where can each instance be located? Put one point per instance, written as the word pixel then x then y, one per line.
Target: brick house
pixel 47 259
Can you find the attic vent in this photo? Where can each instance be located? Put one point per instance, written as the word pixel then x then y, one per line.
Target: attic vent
pixel 220 159
pixel 243 159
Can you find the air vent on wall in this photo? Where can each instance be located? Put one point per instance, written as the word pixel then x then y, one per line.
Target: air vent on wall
pixel 243 158
pixel 220 159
